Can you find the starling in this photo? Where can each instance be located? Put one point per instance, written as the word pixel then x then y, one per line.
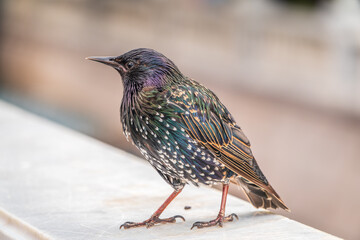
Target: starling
pixel 185 133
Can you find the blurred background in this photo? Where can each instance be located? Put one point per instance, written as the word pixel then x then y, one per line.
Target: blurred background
pixel 289 71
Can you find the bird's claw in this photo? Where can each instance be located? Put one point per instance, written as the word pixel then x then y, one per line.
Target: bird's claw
pixel 177 216
pixel 218 221
pixel 127 225
pixel 151 222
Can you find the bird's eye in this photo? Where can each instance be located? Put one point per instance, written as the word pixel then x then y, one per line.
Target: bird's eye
pixel 129 65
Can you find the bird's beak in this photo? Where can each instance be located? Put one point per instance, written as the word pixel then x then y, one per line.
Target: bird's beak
pixel 105 60
pixel 110 61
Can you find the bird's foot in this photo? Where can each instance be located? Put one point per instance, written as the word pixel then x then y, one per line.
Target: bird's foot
pixel 217 221
pixel 151 222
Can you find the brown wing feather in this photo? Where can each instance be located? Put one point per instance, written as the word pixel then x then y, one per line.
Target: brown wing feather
pixel 236 155
pixel 210 123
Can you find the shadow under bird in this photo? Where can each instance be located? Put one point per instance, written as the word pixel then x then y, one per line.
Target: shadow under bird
pixel 185 133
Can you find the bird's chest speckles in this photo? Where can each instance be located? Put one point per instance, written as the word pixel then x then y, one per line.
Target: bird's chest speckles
pixel 156 136
pixel 164 142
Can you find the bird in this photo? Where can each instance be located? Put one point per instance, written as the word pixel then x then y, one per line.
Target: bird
pixel 186 134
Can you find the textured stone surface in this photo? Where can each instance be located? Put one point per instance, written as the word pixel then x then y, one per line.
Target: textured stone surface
pixel 57 183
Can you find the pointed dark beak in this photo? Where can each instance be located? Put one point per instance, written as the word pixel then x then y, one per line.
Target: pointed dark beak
pixel 105 60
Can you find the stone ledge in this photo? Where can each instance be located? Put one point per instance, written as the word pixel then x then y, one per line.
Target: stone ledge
pixel 61 184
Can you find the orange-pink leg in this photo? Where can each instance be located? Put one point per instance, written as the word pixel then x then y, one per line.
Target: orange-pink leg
pixel 154 219
pixel 221 216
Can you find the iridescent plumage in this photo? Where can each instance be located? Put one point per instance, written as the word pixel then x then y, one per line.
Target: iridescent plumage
pixel 184 131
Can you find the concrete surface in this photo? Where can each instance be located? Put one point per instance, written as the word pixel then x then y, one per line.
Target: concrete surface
pixel 56 183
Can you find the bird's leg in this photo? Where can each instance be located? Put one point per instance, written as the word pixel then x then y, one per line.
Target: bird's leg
pixel 154 219
pixel 221 216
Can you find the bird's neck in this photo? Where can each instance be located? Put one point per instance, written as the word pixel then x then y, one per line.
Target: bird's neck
pixel 135 98
pixel 148 90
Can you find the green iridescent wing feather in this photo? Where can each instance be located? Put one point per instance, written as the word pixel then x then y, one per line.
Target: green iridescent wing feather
pixel 210 123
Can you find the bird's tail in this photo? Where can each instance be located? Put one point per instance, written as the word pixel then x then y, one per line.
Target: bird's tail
pixel 260 197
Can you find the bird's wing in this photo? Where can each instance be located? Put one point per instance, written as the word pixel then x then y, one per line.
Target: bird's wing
pixel 210 123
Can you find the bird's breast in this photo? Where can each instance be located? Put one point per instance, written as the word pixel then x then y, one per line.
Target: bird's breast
pixel 164 140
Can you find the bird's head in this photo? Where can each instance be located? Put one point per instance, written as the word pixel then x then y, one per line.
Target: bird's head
pixel 142 67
